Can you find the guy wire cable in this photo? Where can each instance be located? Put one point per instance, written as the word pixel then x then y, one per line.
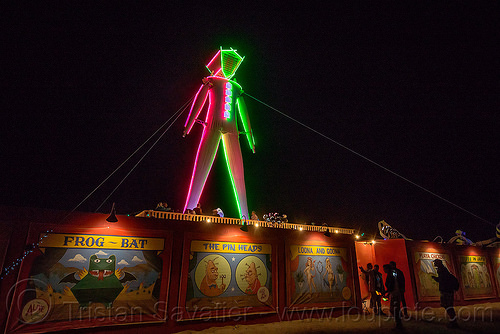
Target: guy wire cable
pixel 183 107
pixel 369 160
pixel 26 252
pixel 180 112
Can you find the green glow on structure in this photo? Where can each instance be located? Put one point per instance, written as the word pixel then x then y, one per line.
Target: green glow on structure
pixel 230 61
pixel 242 109
pixel 232 180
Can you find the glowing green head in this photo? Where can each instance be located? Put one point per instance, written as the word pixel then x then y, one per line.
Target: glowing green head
pixel 225 63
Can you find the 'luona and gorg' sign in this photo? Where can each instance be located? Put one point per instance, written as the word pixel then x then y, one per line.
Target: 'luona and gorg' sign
pixel 319 275
pixel 80 280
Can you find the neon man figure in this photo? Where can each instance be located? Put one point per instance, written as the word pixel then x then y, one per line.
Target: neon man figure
pixel 224 99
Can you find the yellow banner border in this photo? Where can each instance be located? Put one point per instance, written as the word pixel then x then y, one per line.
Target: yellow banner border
pixel 99 241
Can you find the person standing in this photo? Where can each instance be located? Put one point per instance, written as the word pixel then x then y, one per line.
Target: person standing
pixel 198 209
pixel 392 289
pixel 379 289
pixel 448 284
pixel 254 216
pixel 402 284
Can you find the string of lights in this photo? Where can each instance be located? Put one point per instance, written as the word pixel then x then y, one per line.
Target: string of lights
pixel 27 250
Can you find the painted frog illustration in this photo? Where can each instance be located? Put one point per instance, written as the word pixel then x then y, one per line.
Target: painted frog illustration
pixel 100 284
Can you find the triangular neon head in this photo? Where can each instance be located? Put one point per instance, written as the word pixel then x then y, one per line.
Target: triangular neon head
pixel 225 63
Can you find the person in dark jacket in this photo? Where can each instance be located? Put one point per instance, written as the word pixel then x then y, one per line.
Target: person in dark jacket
pixel 401 278
pixel 447 290
pixel 392 288
pixel 379 290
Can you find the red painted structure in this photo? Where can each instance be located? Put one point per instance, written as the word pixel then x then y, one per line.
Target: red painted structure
pixel 22 227
pixel 407 255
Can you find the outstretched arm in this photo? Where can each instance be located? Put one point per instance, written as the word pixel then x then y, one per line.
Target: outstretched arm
pixel 245 119
pixel 198 103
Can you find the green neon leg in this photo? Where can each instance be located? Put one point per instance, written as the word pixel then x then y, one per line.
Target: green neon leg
pixel 234 162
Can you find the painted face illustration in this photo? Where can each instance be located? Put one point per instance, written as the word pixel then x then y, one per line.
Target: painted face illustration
pixel 101 268
pixel 251 273
pixel 100 285
pixel 212 271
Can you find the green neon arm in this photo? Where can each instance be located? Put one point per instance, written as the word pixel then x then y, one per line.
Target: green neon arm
pixel 198 103
pixel 245 120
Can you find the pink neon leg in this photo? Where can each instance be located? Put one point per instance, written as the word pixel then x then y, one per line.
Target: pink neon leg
pixel 235 163
pixel 204 159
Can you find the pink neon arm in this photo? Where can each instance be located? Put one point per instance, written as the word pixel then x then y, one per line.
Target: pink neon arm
pixel 198 103
pixel 245 120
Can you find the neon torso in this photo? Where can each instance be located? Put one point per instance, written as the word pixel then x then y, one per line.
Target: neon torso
pixel 225 107
pixel 216 118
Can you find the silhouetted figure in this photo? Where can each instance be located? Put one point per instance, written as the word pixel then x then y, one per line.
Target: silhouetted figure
pixel 448 284
pixel 392 288
pixel 402 284
pixel 379 290
pixel 163 206
pixel 198 209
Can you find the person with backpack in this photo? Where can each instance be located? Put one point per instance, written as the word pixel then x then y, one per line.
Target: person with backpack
pixel 448 284
pixel 392 290
pixel 402 284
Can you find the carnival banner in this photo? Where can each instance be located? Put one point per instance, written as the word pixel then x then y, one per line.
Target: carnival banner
pixel 496 270
pixel 229 276
pixel 89 280
pixel 427 287
pixel 476 278
pixel 319 275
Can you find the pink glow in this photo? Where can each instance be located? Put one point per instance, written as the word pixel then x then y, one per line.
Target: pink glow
pixel 192 105
pixel 216 69
pixel 197 112
pixel 209 105
pixel 194 169
pixel 211 61
pixel 219 73
pixel 209 95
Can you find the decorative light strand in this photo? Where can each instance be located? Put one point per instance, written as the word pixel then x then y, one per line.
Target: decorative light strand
pixel 28 250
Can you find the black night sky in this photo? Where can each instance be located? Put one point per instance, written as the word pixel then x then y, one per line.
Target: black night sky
pixel 414 88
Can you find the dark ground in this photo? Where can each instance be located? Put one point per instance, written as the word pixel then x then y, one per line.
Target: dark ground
pixel 478 318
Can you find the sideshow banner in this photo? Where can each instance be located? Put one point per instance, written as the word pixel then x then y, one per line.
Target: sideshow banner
pixel 427 287
pixel 319 275
pixel 229 276
pixel 476 279
pixel 78 280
